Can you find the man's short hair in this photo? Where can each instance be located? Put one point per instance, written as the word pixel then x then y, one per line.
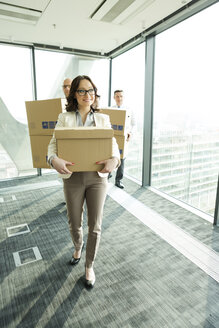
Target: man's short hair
pixel 117 91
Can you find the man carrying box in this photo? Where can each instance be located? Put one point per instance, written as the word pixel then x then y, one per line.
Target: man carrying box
pixel 66 86
pixel 130 124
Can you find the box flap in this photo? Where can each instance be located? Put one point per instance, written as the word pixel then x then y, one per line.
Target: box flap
pixel 83 133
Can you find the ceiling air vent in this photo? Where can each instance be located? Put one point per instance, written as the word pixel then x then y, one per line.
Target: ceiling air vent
pixel 19 14
pixel 119 11
pixel 110 9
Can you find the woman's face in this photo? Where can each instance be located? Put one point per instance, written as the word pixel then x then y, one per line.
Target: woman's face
pixel 87 99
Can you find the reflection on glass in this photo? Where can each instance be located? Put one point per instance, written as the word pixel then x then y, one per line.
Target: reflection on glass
pixel 16 88
pixel 185 156
pixel 128 75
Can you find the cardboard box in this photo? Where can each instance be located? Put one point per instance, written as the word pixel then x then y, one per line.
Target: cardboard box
pixel 84 147
pixel 39 147
pixel 121 143
pixel 118 119
pixel 42 115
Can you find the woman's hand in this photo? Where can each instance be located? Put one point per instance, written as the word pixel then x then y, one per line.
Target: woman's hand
pixel 109 164
pixel 59 165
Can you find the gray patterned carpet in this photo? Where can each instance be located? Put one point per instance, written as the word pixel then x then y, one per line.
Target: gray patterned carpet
pixel 141 280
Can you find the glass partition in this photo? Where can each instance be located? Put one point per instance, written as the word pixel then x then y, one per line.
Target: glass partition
pixel 185 153
pixel 128 75
pixel 15 89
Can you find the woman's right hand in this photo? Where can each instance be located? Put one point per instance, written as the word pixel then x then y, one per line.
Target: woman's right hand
pixel 59 165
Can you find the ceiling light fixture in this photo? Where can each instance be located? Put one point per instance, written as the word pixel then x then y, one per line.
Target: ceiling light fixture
pixel 19 14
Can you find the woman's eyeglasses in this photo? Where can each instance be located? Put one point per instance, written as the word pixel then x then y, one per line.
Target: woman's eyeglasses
pixel 83 92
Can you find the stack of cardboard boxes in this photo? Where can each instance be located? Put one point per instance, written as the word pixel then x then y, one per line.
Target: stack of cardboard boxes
pixel 118 119
pixel 83 146
pixel 42 117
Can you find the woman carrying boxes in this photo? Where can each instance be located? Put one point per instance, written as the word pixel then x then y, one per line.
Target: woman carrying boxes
pixel 80 186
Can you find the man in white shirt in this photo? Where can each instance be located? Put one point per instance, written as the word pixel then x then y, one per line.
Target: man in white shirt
pixel 118 96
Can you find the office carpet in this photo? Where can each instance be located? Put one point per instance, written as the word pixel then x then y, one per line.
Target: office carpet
pixel 141 280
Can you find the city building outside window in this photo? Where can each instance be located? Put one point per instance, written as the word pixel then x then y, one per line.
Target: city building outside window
pixel 185 153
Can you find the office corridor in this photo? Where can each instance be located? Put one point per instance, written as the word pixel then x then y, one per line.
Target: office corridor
pixel 157 266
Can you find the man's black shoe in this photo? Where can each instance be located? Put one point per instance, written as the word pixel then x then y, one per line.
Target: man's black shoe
pixel 119 185
pixel 109 175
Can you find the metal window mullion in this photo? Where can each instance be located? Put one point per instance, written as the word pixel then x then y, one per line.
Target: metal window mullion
pixel 148 110
pixel 34 73
pixel 216 211
pixel 39 171
pixel 110 82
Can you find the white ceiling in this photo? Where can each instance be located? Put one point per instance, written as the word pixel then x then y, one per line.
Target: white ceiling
pixel 67 23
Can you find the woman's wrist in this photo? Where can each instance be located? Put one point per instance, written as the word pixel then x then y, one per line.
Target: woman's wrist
pixel 51 159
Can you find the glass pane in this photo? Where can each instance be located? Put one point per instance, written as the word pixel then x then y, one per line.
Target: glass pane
pixel 53 67
pixel 128 75
pixel 185 156
pixel 15 89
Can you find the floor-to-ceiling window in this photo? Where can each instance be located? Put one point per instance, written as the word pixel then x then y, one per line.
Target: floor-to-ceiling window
pixel 185 154
pixel 15 89
pixel 53 67
pixel 128 75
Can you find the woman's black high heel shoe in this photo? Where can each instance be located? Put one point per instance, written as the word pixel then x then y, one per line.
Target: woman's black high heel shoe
pixel 75 261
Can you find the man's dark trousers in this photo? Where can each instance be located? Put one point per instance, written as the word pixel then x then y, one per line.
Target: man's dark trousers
pixel 120 171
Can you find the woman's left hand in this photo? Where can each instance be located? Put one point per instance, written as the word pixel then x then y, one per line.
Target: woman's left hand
pixel 109 164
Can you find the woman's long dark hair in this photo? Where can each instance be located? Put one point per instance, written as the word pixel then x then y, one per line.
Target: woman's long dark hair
pixel 72 104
